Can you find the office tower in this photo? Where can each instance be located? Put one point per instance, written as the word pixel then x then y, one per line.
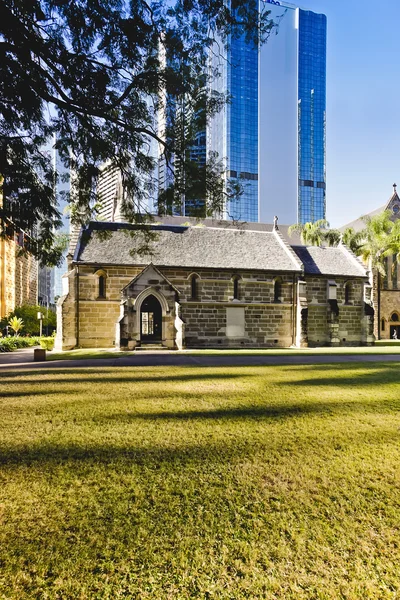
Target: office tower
pixel 109 190
pixel 62 191
pixel 181 177
pixel 233 132
pixel 50 278
pixel 272 133
pixel 312 113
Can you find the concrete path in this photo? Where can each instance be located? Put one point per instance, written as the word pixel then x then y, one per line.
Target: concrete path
pixel 23 359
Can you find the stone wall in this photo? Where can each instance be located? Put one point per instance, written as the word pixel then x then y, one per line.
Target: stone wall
pixel 18 277
pixel 390 304
pixel 214 318
pixel 347 326
pixel 266 322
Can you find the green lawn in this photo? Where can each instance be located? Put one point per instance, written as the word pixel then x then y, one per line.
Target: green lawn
pixel 85 354
pixel 379 348
pixel 178 483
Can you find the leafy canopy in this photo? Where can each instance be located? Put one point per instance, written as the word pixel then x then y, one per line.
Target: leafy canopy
pixel 379 238
pixel 95 73
pixel 27 313
pixel 316 233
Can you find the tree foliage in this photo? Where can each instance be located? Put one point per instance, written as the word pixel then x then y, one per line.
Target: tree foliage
pixel 27 313
pixel 379 238
pixel 16 324
pixel 96 73
pixel 316 233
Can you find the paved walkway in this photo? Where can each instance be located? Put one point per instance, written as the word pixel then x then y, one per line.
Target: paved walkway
pixel 23 359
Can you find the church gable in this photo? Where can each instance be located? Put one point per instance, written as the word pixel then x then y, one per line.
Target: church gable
pixel 150 277
pixel 394 203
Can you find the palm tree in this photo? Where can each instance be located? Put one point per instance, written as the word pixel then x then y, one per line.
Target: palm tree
pixel 16 324
pixel 317 233
pixel 378 240
pixel 332 237
pixel 353 239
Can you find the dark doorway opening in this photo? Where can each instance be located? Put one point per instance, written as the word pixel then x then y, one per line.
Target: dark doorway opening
pixel 150 320
pixel 395 328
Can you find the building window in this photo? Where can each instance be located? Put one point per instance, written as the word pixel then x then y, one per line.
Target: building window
pixel 394 272
pixel 394 317
pixel 102 286
pixel 347 293
pixel 385 276
pixel 383 325
pixel 277 290
pixel 236 287
pixel 194 287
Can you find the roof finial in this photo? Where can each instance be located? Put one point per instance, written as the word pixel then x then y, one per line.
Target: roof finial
pixel 276 222
pixel 394 188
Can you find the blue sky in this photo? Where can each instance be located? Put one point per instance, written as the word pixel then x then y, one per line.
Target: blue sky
pixel 363 104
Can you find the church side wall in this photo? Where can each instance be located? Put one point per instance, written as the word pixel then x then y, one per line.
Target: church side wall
pixel 320 318
pixel 390 303
pixel 215 318
pixel 98 316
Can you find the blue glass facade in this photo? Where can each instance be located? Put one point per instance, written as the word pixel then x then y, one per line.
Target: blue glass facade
pixel 272 133
pixel 242 130
pixel 312 116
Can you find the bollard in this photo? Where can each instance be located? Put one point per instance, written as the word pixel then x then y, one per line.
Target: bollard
pixel 39 354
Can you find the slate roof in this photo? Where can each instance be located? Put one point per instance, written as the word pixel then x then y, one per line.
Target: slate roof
pixel 208 247
pixel 337 261
pixel 179 246
pixel 225 224
pixel 359 224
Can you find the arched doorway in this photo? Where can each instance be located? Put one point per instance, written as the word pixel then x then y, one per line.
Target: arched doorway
pixel 150 320
pixel 395 327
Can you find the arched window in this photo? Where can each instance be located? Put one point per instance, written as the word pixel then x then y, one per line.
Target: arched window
pixel 102 286
pixel 277 289
pixel 382 324
pixel 394 317
pixel 236 287
pixel 347 293
pixel 194 288
pixel 101 279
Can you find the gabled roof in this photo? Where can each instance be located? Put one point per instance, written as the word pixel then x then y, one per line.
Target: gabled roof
pixel 180 246
pixel 359 224
pixel 338 261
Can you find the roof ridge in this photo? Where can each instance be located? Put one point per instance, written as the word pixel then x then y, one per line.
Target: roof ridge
pixel 288 248
pixel 353 257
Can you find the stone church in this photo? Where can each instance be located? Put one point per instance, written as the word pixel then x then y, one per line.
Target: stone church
pixel 210 285
pixel 386 289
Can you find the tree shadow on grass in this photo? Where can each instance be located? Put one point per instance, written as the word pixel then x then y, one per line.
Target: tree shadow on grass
pixel 57 455
pixel 273 411
pixel 165 380
pixel 373 378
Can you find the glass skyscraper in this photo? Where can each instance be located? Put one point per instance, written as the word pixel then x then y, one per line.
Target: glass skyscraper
pixel 233 132
pixel 271 134
pixel 312 110
pixel 242 135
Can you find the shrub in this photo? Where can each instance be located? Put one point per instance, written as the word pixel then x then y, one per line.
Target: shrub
pixel 47 343
pixel 9 344
pixel 28 313
pixel 16 324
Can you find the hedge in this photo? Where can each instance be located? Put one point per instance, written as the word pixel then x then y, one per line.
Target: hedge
pixel 9 344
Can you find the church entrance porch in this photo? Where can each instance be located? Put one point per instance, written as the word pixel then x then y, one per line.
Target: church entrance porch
pixel 150 320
